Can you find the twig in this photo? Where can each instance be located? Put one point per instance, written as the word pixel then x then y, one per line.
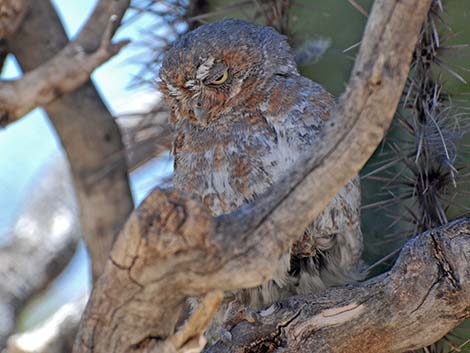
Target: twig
pixel 358 7
pixel 192 333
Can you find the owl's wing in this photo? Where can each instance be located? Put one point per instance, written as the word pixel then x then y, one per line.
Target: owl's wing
pixel 329 251
pixel 297 108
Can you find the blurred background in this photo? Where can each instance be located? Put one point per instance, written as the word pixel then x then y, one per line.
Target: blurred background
pixel 325 35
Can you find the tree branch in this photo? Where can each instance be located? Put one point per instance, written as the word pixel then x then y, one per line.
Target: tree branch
pixel 424 296
pixel 43 240
pixel 64 73
pixel 12 13
pixel 87 130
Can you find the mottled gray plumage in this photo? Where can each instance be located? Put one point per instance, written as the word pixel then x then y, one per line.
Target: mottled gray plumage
pixel 237 138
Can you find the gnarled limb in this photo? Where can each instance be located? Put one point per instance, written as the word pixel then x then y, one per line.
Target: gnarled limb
pixel 43 240
pixel 87 130
pixel 12 13
pixel 172 248
pixel 424 296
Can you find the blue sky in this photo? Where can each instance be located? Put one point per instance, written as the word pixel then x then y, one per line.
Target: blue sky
pixel 30 142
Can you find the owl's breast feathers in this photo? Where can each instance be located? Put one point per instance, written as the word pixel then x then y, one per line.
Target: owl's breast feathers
pixel 261 119
pixel 246 150
pixel 252 145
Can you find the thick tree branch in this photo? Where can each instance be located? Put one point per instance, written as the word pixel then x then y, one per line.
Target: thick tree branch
pixel 43 240
pixel 424 296
pixel 12 13
pixel 87 130
pixel 64 73
pixel 55 335
pixel 172 248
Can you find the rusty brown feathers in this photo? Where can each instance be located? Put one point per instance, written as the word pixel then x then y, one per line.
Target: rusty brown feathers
pixel 243 116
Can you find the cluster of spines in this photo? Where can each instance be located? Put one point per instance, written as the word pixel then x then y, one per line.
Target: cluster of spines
pixel 423 167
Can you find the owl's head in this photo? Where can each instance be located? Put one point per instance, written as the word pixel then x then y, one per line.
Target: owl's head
pixel 219 66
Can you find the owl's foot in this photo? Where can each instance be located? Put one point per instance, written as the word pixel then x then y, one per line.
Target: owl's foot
pixel 225 336
pixel 235 314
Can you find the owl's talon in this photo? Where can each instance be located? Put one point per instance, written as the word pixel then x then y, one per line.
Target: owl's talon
pixel 250 316
pixel 225 335
pixel 235 314
pixel 271 309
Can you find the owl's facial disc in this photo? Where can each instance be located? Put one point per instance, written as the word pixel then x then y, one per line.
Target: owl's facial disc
pixel 211 72
pixel 208 90
pixel 221 65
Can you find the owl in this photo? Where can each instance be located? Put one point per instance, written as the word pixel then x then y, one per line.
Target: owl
pixel 243 116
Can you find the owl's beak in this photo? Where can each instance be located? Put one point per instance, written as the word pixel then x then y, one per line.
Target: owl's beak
pixel 200 114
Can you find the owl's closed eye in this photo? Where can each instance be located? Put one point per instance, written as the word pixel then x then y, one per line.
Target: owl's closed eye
pixel 208 72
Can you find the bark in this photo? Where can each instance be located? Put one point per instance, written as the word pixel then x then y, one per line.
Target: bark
pixel 87 130
pixel 43 240
pixel 423 297
pixel 171 247
pixel 12 13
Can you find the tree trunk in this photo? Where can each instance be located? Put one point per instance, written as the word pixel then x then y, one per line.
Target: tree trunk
pixel 87 130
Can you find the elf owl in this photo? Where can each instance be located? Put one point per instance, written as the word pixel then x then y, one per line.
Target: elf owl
pixel 243 115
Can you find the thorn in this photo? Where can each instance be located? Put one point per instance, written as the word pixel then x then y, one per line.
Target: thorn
pixel 358 7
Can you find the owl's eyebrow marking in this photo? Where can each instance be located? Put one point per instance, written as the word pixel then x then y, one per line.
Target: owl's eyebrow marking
pixel 204 68
pixel 173 91
pixel 190 84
